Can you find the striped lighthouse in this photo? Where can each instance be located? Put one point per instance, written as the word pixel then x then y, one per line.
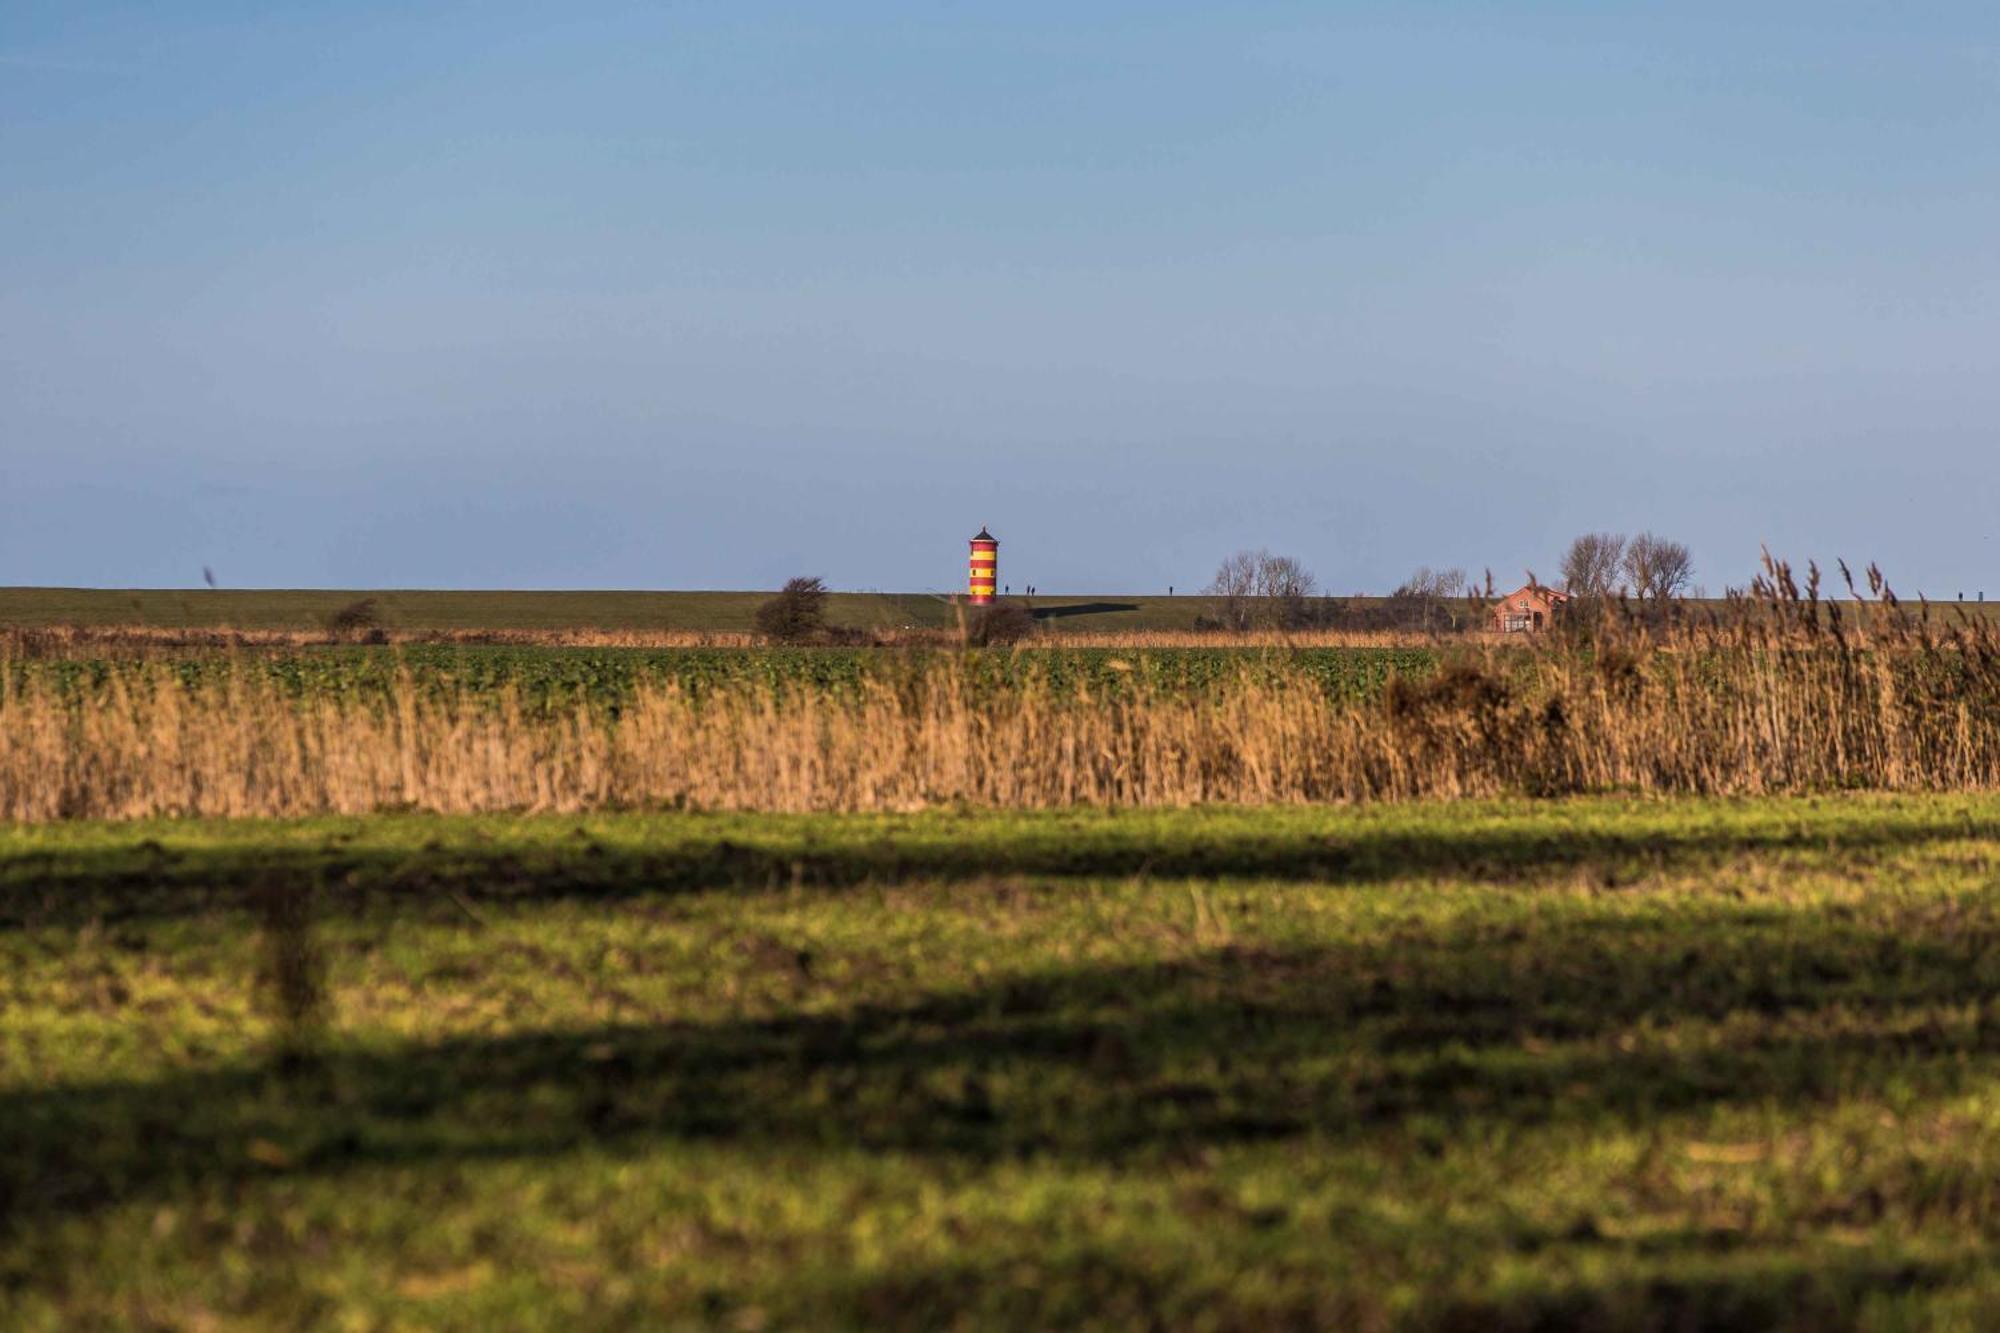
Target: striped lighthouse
pixel 985 568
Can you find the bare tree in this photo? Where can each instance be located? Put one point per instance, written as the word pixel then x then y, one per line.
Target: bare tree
pixel 1284 584
pixel 1659 570
pixel 1253 587
pixel 1436 584
pixel 1283 576
pixel 1422 597
pixel 1235 583
pixel 1590 566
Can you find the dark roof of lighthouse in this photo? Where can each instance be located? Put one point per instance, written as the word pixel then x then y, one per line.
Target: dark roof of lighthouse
pixel 985 536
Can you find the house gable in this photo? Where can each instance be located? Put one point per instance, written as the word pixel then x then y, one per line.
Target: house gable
pixel 1528 608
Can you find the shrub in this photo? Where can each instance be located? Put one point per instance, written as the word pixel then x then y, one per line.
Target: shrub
pixel 354 617
pixel 1000 624
pixel 797 614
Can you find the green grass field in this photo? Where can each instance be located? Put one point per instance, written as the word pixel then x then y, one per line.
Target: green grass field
pixel 425 610
pixel 1592 1064
pixel 707 612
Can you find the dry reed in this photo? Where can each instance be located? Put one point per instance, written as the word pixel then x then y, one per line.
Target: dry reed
pixel 1795 698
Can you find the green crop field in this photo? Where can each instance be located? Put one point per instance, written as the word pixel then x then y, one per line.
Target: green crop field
pixel 543 677
pixel 1584 1064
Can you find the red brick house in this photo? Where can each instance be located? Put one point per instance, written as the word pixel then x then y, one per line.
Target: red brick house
pixel 1532 608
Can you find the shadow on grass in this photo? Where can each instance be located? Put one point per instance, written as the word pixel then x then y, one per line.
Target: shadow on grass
pixel 1416 1047
pixel 1080 609
pixel 1777 1292
pixel 1421 1051
pixel 143 880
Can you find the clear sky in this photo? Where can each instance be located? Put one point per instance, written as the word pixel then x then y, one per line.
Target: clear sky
pixel 705 295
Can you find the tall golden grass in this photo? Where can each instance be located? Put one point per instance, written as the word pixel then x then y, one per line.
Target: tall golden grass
pixel 1796 698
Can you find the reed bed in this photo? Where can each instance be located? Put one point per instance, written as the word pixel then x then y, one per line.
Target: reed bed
pixel 1789 700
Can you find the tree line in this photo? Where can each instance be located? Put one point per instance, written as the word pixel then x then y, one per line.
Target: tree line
pixel 1262 590
pixel 1648 567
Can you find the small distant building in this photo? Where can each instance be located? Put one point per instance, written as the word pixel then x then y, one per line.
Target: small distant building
pixel 1530 609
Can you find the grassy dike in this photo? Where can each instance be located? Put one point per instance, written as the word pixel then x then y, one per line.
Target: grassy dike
pixel 520 609
pixel 1592 1063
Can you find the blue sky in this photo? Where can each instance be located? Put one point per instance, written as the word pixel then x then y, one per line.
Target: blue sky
pixel 706 295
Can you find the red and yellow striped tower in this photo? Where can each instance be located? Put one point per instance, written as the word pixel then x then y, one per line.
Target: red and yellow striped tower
pixel 985 568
